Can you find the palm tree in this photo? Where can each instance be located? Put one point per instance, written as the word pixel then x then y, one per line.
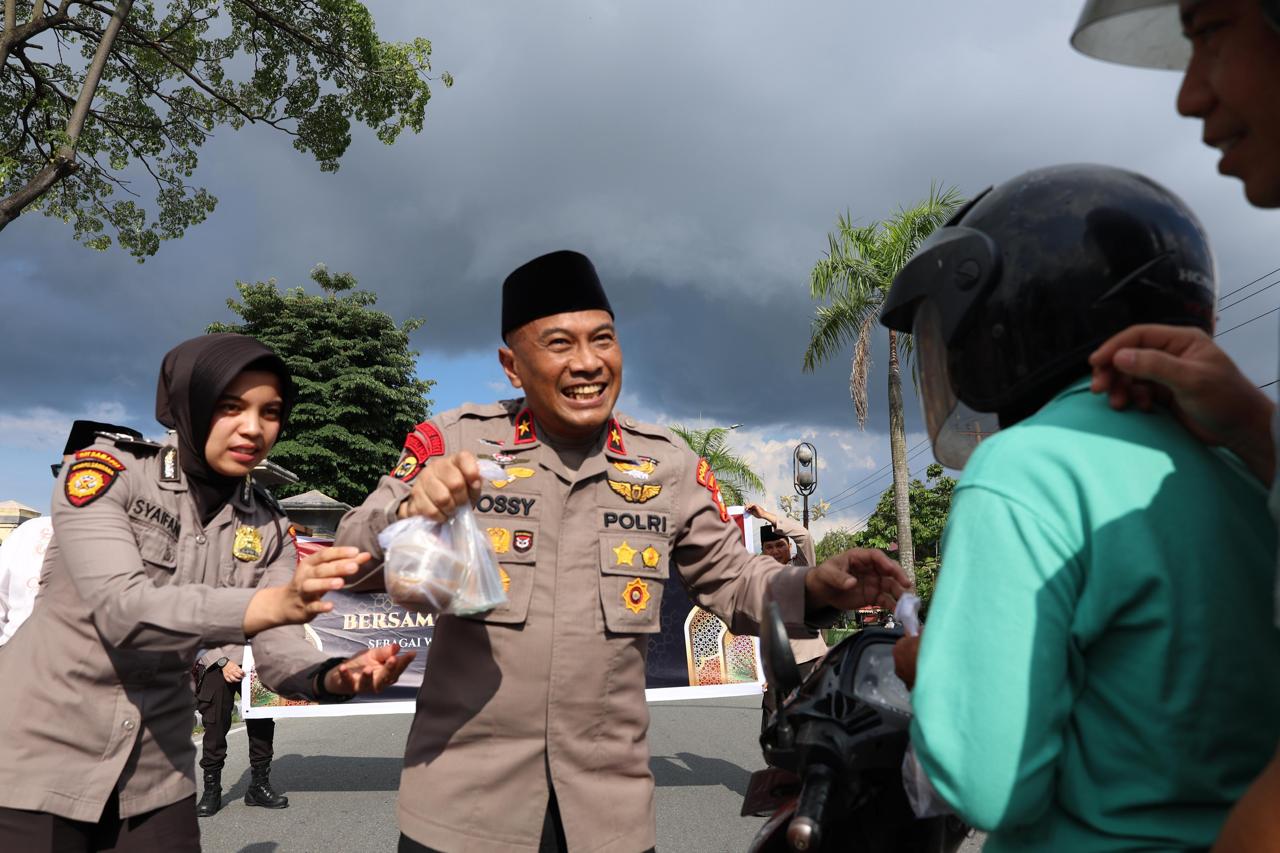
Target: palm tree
pixel 735 476
pixel 853 279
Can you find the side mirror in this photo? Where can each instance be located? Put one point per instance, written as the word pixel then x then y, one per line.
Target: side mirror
pixel 775 653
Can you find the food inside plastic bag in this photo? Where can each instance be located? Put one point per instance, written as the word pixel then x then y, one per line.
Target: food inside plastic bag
pixel 442 568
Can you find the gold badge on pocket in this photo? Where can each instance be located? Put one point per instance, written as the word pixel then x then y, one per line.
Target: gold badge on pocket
pixel 636 596
pixel 248 544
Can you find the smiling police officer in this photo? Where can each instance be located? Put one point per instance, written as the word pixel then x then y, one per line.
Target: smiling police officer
pixel 531 723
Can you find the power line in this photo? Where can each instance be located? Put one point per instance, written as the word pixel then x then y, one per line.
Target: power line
pixel 845 491
pixel 1247 322
pixel 1250 284
pixel 1250 296
pixel 848 505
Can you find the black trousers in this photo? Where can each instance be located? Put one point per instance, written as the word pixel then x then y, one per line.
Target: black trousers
pixel 215 699
pixel 171 828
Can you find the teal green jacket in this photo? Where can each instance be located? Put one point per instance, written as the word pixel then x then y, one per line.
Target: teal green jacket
pixel 1100 669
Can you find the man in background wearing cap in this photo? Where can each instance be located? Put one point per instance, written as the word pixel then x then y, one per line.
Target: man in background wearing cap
pixel 22 554
pixel 776 537
pixel 531 724
pixel 1229 52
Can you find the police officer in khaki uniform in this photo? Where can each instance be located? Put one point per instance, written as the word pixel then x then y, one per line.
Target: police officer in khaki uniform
pixel 96 710
pixel 776 538
pixel 531 724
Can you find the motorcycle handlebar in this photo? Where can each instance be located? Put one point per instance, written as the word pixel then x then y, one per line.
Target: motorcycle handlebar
pixel 805 830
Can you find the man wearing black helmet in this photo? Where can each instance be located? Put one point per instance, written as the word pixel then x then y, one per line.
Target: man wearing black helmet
pixel 1230 50
pixel 1099 716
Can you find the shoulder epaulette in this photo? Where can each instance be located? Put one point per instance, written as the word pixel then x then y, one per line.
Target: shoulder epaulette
pixel 651 430
pixel 135 445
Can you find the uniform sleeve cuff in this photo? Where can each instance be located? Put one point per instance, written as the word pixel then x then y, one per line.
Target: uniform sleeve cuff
pixel 787 588
pixel 224 616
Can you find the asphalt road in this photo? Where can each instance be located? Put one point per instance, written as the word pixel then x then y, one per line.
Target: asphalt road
pixel 341 776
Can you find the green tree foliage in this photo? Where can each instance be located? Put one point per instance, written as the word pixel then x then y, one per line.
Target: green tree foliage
pixel 853 279
pixel 735 476
pixel 102 99
pixel 834 542
pixel 358 390
pixel 930 503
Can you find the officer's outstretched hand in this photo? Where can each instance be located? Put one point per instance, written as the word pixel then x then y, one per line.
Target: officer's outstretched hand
pixel 859 577
pixel 1182 368
pixel 300 600
pixel 442 487
pixel 371 671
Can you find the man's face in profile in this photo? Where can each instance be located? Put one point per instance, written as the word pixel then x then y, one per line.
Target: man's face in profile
pixel 1232 84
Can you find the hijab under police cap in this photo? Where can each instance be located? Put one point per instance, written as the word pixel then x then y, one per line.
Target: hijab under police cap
pixel 556 283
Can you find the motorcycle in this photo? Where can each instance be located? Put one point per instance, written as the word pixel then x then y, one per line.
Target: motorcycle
pixel 835 748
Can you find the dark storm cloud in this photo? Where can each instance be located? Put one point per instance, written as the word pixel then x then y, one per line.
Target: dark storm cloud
pixel 698 152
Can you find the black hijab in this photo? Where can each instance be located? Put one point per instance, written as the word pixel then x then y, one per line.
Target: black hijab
pixel 193 376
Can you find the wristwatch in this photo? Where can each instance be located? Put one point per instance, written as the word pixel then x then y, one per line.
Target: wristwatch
pixel 222 661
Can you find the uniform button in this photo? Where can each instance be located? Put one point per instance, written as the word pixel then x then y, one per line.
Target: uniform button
pixel 128 725
pixel 201 539
pixel 630 422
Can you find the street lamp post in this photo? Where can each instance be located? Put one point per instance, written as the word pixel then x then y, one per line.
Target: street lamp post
pixel 804 470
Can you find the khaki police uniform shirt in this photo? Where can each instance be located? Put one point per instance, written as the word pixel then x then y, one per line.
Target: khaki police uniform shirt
pixel 551 684
pixel 97 682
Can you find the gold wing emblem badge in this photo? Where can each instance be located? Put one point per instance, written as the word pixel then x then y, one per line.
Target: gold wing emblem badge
pixel 635 493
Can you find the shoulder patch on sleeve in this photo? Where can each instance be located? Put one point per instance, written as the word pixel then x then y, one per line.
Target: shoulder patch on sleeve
pixel 707 479
pixel 90 475
pixel 420 445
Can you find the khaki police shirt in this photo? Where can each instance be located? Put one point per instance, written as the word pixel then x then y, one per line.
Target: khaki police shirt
pixel 552 683
pixel 97 683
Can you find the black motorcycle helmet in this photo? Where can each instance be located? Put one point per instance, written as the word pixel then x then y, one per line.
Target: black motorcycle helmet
pixel 1008 299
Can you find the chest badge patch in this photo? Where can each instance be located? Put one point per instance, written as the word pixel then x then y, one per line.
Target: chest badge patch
pixel 636 596
pixel 500 539
pixel 522 541
pixel 639 472
pixel 651 557
pixel 625 554
pixel 516 473
pixel 248 544
pixel 636 493
pixel 90 475
pixel 408 465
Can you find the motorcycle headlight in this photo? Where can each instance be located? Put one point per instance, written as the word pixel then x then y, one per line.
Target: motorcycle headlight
pixel 875 682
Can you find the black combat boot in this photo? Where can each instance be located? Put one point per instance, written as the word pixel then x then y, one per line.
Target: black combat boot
pixel 261 793
pixel 211 801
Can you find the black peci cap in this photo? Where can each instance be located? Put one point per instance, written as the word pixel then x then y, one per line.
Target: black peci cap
pixel 556 283
pixel 769 533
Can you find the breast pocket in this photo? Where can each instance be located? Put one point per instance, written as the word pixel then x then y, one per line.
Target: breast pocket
pixel 632 571
pixel 515 544
pixel 159 552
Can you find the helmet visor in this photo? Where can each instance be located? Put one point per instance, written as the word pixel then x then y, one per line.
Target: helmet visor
pixel 954 428
pixel 1146 33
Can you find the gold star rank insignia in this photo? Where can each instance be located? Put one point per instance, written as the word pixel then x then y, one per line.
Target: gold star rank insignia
pixel 636 596
pixel 651 557
pixel 248 544
pixel 614 443
pixel 625 553
pixel 636 493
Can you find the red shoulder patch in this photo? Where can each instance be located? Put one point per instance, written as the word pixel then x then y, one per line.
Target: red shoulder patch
pixel 525 431
pixel 614 442
pixel 417 450
pixel 90 476
pixel 707 479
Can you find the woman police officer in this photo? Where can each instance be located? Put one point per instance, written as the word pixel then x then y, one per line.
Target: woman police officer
pixel 96 711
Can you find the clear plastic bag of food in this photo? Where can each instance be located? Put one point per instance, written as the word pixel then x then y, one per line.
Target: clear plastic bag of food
pixel 441 568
